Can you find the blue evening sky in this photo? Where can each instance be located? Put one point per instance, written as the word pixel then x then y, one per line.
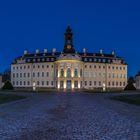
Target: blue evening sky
pixel 97 24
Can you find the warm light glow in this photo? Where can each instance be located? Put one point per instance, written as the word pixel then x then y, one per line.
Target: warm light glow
pixel 72 74
pixel 72 86
pixel 104 87
pixel 58 75
pixel 64 85
pixel 68 61
pixel 65 75
pixel 34 86
pixel 78 85
pixel 58 85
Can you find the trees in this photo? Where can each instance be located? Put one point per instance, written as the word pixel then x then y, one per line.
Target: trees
pixel 7 85
pixel 6 75
pixel 130 85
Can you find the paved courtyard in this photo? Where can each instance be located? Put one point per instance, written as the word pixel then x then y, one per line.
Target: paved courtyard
pixel 69 116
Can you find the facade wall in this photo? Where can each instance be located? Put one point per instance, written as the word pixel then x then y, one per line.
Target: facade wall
pixel 89 75
pixel 24 75
pixel 98 75
pixel 75 77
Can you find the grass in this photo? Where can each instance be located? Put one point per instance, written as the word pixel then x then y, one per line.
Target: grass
pixel 131 99
pixel 4 98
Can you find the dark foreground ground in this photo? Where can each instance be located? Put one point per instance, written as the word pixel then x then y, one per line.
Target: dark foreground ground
pixel 69 116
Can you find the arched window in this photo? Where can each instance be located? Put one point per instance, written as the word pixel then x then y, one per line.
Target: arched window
pixel 81 73
pixel 76 72
pixel 62 72
pixel 68 72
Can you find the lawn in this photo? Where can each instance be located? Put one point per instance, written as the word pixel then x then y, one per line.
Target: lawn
pixel 4 98
pixel 131 99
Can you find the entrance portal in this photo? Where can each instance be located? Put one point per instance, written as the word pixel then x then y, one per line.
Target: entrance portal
pixel 68 84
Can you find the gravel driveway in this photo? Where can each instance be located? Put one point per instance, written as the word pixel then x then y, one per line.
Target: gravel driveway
pixel 69 116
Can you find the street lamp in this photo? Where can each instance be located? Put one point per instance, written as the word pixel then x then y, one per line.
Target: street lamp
pixel 34 86
pixel 104 88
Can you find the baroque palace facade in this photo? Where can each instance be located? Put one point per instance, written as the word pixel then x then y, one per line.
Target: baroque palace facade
pixel 69 69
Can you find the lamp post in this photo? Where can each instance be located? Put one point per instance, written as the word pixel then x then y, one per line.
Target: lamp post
pixel 104 88
pixel 34 86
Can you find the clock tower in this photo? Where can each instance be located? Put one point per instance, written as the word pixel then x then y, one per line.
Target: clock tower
pixel 68 47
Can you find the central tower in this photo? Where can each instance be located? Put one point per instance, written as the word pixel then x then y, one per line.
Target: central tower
pixel 68 47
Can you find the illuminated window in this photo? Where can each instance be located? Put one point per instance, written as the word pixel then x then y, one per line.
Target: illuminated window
pixel 76 84
pixel 68 72
pixel 76 72
pixel 62 72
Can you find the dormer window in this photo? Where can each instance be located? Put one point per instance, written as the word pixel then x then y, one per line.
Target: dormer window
pixel 28 60
pixel 109 60
pixel 95 59
pixel 90 59
pixel 85 59
pixel 104 60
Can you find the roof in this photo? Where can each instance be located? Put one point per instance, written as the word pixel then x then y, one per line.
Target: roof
pixel 85 57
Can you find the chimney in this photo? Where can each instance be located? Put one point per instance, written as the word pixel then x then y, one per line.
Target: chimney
pixel 45 50
pixel 25 52
pixel 113 53
pixel 101 51
pixel 54 51
pixel 37 51
pixel 84 51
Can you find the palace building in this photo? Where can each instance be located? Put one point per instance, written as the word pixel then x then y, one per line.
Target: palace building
pixel 69 69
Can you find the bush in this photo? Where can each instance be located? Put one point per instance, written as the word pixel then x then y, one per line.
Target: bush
pixel 130 86
pixel 7 85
